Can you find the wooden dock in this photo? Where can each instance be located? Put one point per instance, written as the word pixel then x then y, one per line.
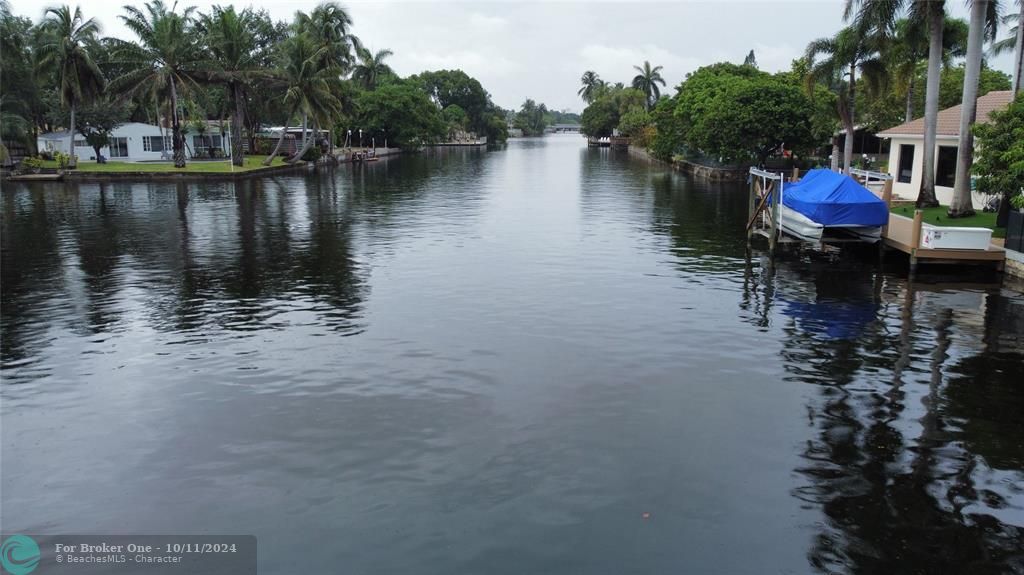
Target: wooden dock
pixel 902 233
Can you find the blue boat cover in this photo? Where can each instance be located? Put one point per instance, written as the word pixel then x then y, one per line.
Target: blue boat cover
pixel 833 199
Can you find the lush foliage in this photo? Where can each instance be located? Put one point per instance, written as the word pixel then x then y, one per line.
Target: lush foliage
pixel 1000 161
pixel 182 68
pixel 737 113
pixel 402 113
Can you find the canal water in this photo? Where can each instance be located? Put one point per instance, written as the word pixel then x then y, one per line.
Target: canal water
pixel 545 359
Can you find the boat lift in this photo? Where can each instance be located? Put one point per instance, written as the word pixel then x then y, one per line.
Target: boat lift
pixel 763 211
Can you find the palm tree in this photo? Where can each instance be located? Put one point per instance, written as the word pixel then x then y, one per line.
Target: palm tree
pixel 65 49
pixel 591 83
pixel 1015 42
pixel 984 16
pixel 907 50
pixel 371 67
pixel 232 43
pixel 852 48
pixel 647 82
pixel 310 85
pixel 930 15
pixel 167 62
pixel 330 27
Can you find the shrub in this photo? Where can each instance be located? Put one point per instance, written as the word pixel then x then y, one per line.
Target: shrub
pixel 312 154
pixel 31 164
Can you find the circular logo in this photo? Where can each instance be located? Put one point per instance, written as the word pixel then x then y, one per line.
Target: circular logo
pixel 19 555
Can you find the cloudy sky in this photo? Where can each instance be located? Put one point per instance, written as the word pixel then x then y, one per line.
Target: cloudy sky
pixel 538 50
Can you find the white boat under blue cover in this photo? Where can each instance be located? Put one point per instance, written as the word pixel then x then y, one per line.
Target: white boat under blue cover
pixel 825 200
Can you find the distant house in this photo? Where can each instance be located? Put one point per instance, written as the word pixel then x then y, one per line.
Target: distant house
pixel 137 142
pixel 906 153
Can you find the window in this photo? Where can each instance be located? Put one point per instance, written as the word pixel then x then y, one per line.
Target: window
pixel 81 144
pixel 156 143
pixel 906 170
pixel 118 147
pixel 945 166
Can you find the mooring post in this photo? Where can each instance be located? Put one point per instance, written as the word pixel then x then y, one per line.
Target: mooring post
pixel 887 198
pixel 915 239
pixel 796 174
pixel 775 211
pixel 751 204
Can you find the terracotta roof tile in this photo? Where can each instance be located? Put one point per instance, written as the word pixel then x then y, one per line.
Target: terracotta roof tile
pixel 949 119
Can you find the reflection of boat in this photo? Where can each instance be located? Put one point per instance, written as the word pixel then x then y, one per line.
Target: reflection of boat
pixel 825 204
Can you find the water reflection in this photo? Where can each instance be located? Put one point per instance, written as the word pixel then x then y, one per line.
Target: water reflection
pixel 915 460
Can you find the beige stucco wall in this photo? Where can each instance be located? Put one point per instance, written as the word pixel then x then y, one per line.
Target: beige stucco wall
pixel 909 191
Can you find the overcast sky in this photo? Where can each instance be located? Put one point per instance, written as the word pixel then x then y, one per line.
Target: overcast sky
pixel 538 50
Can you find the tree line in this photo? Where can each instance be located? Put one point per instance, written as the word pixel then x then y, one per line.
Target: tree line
pixel 893 61
pixel 240 66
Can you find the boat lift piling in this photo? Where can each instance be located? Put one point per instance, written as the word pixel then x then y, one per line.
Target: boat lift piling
pixel 763 186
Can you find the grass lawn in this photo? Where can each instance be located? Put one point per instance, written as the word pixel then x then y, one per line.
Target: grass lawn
pixel 197 167
pixel 937 217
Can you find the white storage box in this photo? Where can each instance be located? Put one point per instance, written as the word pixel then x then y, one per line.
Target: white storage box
pixel 952 238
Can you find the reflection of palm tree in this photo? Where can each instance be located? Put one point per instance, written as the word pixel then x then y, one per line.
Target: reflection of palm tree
pixel 647 82
pixel 67 40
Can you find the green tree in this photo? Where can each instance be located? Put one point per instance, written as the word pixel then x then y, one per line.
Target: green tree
pixel 67 38
pixel 600 118
pixel 647 82
pixel 371 67
pixel 668 138
pixel 984 17
pixel 880 16
pixel 310 82
pixel 750 60
pixel 531 118
pixel 167 62
pixel 402 113
pixel 1000 165
pixel 738 114
pixel 591 84
pixel 835 62
pixel 231 39
pixel 329 25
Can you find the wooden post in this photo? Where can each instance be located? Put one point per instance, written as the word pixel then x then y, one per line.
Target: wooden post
pixel 887 198
pixel 774 213
pixel 796 174
pixel 915 239
pixel 750 206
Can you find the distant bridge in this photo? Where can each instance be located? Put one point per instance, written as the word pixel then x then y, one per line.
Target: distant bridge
pixel 571 128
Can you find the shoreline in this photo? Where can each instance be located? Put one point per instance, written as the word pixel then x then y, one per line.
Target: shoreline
pixel 144 176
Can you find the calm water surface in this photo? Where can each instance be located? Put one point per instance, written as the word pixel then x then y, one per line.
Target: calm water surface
pixel 544 359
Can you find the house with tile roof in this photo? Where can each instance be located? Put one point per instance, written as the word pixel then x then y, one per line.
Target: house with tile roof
pixel 906 150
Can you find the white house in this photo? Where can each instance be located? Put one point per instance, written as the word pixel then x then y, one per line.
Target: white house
pixel 136 142
pixel 906 152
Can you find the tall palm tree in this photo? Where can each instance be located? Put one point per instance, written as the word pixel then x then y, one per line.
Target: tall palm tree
pixel 67 40
pixel 835 62
pixel 330 27
pixel 232 42
pixel 647 82
pixel 309 86
pixel 371 67
pixel 984 18
pixel 1015 42
pixel 907 50
pixel 167 62
pixel 881 16
pixel 591 83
